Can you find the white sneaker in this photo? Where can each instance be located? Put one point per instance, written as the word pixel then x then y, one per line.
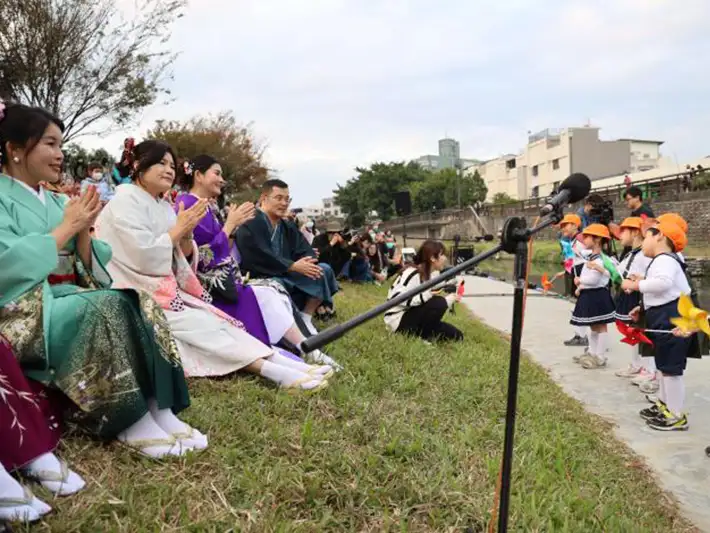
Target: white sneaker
pixel 642 376
pixel 649 387
pixel 629 372
pixel 590 361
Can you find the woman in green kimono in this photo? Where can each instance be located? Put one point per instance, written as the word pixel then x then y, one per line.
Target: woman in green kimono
pixel 110 352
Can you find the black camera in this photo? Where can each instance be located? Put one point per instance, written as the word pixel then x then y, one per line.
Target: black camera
pixel 602 211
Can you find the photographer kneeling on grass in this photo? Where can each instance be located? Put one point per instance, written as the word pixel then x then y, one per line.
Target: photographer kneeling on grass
pixel 423 314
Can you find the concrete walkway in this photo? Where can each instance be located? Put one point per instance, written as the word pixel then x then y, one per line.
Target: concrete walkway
pixel 678 458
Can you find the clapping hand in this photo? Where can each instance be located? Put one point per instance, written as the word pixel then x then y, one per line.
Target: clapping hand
pixel 80 212
pixel 238 215
pixel 187 219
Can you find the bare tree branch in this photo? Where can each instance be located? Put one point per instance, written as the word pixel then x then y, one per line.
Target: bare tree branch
pixel 84 61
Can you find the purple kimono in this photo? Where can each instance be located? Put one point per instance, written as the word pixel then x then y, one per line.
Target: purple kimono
pixel 218 273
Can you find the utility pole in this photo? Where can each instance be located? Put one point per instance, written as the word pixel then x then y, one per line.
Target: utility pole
pixel 459 172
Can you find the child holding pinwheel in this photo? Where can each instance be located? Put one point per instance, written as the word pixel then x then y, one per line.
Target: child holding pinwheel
pixel 661 288
pixel 632 266
pixel 595 307
pixel 575 255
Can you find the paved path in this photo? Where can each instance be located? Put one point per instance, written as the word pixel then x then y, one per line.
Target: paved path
pixel 678 458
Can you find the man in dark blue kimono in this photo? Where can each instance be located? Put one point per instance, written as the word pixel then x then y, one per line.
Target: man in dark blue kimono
pixel 272 247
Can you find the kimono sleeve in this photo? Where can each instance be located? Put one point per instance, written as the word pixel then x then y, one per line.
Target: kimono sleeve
pixel 256 253
pixel 134 243
pixel 25 260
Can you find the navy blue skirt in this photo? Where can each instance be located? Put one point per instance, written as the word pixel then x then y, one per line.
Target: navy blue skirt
pixel 625 303
pixel 594 306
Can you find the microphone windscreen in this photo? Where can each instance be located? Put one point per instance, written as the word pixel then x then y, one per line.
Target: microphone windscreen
pixel 578 185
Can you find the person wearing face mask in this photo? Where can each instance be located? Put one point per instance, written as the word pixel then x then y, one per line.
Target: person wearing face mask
pixel 306 227
pixel 99 180
pixel 423 314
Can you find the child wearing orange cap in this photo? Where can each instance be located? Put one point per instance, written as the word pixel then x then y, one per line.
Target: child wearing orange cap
pixel 631 266
pixel 569 227
pixel 663 284
pixel 595 306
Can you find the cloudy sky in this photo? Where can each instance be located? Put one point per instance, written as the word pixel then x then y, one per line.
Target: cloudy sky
pixel 331 84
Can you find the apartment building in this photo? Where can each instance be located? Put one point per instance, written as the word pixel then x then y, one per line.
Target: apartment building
pixel 552 155
pixel 326 208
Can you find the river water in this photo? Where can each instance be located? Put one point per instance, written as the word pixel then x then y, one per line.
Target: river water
pixel 503 269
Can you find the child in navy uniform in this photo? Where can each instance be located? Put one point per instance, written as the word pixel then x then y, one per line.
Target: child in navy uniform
pixel 569 227
pixel 665 281
pixel 632 266
pixel 595 306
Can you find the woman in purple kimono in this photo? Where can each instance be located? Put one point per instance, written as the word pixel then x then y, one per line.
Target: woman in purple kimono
pixel 263 307
pixel 30 432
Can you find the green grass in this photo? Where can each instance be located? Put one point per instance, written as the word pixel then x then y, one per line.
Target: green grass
pixel 408 438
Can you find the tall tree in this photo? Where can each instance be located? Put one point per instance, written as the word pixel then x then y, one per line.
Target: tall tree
pixel 222 137
pixel 373 189
pixel 84 61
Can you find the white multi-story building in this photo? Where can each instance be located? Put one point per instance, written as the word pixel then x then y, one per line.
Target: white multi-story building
pixel 326 208
pixel 552 155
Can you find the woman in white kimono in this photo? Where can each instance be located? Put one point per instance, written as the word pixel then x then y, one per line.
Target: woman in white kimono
pixel 149 243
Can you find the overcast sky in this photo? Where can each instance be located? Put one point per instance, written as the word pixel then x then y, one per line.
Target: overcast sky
pixel 330 85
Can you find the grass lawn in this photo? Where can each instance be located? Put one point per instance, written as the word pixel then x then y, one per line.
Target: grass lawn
pixel 408 438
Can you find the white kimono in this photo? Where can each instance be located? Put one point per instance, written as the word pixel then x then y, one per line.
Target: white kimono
pixel 136 226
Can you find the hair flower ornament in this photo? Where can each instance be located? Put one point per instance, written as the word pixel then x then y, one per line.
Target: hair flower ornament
pixel 187 168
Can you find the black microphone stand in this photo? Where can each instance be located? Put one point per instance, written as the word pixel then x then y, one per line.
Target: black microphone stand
pixel 514 240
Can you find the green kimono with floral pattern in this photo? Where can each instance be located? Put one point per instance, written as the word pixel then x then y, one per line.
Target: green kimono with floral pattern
pixel 108 351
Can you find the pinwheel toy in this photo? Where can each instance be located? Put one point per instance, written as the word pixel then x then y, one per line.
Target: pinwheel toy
pixel 546 283
pixel 633 336
pixel 691 318
pixel 461 290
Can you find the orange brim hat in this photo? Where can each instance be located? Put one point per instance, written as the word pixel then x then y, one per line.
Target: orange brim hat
pixel 632 223
pixel 571 218
pixel 674 233
pixel 676 219
pixel 597 230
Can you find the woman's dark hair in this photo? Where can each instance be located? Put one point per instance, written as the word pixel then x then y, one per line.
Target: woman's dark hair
pixel 147 154
pixel 427 251
pixel 202 163
pixel 23 126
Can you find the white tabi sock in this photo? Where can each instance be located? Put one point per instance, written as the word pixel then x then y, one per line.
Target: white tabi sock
pixel 47 469
pixel 145 436
pixel 29 511
pixel 188 436
pixel 289 377
pixel 675 393
pixel 279 359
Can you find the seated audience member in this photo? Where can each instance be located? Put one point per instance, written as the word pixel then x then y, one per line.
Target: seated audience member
pixel 100 181
pixel 306 226
pixel 264 309
pixel 149 244
pixel 332 248
pixel 30 433
pixel 423 314
pixel 360 270
pixel 109 352
pixel 271 247
pixel 378 265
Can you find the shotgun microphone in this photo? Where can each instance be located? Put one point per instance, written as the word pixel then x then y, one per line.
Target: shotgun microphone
pixel 573 189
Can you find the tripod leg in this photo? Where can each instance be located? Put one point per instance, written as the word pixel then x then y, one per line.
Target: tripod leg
pixel 521 260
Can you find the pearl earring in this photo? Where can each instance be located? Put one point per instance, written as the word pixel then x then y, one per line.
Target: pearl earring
pixel 15 159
